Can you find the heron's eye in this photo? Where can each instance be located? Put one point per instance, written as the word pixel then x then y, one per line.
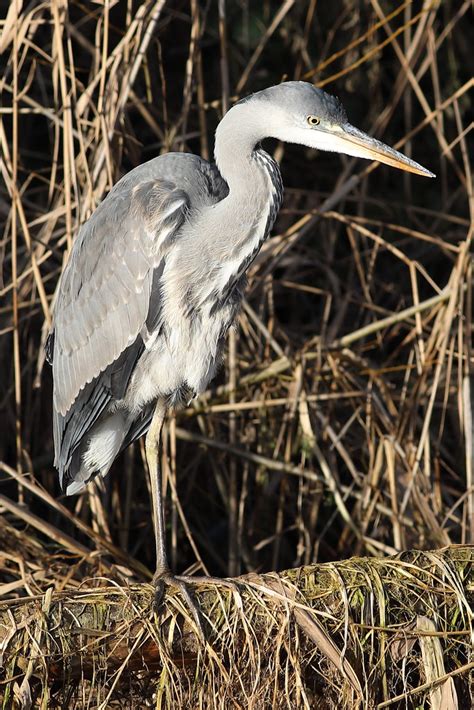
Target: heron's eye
pixel 313 120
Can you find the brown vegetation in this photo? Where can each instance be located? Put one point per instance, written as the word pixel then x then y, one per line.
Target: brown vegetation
pixel 341 423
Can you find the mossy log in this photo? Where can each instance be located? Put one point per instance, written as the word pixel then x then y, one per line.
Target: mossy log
pixel 365 632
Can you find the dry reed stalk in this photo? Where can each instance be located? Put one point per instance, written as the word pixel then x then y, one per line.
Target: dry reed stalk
pixel 342 421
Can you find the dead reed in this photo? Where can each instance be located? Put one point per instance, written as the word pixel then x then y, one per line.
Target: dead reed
pixel 341 423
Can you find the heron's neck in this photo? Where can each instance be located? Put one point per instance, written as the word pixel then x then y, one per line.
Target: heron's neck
pixel 247 214
pixel 236 137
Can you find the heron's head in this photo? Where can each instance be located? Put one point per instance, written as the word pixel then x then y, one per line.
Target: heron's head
pixel 297 112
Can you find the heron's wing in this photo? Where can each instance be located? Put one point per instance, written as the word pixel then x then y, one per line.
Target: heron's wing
pixel 104 297
pixel 69 429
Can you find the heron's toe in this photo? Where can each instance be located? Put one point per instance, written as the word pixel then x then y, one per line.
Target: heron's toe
pixel 161 581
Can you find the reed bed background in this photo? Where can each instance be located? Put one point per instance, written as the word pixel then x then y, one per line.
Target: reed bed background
pixel 341 421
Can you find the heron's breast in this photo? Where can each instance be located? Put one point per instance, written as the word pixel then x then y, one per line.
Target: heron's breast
pixel 185 354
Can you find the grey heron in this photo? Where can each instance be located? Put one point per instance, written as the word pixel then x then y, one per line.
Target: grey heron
pixel 156 276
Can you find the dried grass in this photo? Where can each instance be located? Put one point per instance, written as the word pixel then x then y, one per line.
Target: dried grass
pixel 342 421
pixel 361 633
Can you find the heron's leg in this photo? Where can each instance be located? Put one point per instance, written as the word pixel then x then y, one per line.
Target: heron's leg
pixel 152 448
pixel 163 575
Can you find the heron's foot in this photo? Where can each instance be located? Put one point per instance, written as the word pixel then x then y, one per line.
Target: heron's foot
pixel 182 583
pixel 163 580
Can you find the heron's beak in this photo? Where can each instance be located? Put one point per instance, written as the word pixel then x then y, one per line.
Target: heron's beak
pixel 361 145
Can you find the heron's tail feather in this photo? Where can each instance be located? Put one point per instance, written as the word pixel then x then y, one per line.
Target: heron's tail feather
pixel 96 452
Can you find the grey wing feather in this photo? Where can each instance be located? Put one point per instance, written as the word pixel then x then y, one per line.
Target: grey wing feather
pixel 139 426
pixel 110 295
pixel 88 406
pixel 104 295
